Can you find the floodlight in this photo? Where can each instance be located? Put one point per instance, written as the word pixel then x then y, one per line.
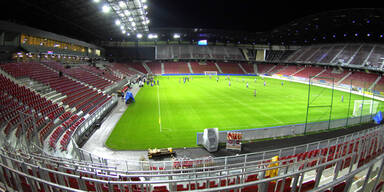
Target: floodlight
pixel 145 7
pixel 130 19
pixel 96 1
pixel 139 35
pixel 122 4
pixel 126 12
pixel 143 1
pixel 105 8
pixel 176 36
pixel 117 22
pixel 133 24
pixel 152 36
pixel 123 31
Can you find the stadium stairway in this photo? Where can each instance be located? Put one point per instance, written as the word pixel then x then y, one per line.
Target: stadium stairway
pixel 146 67
pixel 376 81
pixel 271 69
pixel 255 68
pixel 345 77
pixel 242 68
pixel 189 67
pixel 298 71
pixel 218 68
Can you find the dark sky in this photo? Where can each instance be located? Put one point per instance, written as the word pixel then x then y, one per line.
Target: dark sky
pixel 249 15
pixel 82 19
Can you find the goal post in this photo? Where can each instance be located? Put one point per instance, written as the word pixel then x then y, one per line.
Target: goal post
pixel 210 72
pixel 364 107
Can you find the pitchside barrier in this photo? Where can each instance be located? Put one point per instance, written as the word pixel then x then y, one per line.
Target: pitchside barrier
pixel 289 130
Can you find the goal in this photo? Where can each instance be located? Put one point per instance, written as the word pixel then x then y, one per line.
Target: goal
pixel 210 72
pixel 365 107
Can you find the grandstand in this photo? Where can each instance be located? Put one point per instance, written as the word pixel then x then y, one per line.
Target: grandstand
pixel 59 102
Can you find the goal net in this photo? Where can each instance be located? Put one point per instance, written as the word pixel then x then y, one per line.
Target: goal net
pixel 210 72
pixel 365 107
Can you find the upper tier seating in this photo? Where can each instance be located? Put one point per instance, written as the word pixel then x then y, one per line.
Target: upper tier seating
pixel 369 55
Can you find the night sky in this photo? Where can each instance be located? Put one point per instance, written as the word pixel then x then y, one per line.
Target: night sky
pixel 82 19
pixel 248 15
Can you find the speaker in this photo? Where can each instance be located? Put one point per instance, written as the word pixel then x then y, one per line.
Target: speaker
pixel 211 139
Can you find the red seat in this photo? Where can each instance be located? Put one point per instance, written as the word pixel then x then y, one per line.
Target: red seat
pixel 160 189
pixel 307 186
pixel 339 187
pixel 252 188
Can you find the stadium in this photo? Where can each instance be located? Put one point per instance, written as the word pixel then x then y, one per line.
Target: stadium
pixel 158 96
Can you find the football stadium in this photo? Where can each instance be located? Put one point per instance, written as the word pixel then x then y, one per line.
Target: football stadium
pixel 159 96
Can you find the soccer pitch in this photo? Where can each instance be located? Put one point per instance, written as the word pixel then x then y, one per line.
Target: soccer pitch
pixel 169 115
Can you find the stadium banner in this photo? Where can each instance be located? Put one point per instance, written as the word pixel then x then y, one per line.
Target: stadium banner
pixel 234 140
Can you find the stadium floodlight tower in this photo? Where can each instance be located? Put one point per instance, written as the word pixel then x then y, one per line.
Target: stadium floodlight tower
pixel 132 14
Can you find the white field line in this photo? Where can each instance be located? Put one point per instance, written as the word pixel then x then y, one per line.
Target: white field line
pixel 158 102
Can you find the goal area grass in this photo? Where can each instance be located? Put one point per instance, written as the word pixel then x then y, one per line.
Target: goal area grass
pixel 170 114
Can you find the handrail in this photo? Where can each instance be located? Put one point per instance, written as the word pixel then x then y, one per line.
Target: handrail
pixel 40 180
pixel 220 170
pixel 342 138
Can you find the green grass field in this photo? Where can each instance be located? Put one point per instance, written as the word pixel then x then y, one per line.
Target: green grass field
pixel 169 115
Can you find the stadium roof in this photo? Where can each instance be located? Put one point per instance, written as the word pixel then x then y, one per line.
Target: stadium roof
pixel 216 20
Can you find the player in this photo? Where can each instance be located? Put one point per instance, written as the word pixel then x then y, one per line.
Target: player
pixel 247 84
pixel 158 82
pixel 229 83
pixel 254 80
pixel 282 83
pixel 217 79
pixel 254 93
pixel 342 98
pixel 265 83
